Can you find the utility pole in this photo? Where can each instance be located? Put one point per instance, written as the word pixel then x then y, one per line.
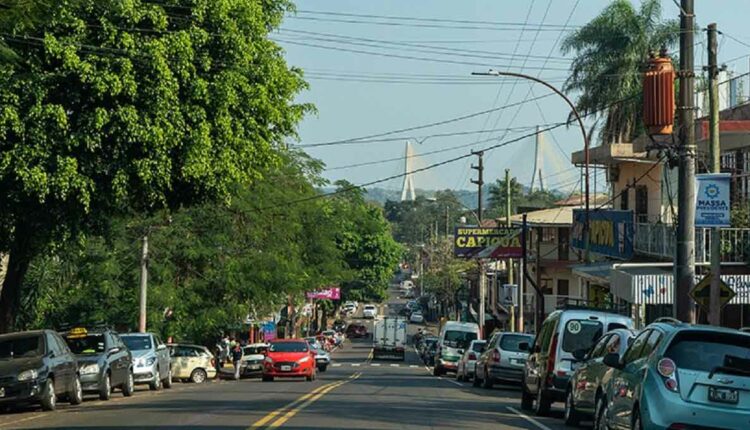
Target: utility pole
pixel 685 258
pixel 507 218
pixel 714 307
pixel 482 281
pixel 144 285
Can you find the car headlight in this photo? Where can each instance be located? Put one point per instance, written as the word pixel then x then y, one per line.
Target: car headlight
pixel 304 359
pixel 150 361
pixel 28 375
pixel 89 369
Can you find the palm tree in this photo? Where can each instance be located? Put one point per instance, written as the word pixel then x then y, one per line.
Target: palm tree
pixel 610 54
pixel 497 194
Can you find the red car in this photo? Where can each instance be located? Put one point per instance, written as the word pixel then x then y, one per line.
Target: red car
pixel 289 358
pixel 356 330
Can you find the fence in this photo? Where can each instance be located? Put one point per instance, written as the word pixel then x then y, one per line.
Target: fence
pixel 659 240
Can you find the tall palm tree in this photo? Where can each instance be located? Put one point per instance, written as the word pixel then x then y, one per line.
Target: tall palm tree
pixel 610 54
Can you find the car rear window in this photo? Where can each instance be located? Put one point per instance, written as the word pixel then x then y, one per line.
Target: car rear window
pixel 459 339
pixel 137 343
pixel 479 346
pixel 20 347
pixel 580 334
pixel 703 351
pixel 288 347
pixel 510 342
pixel 89 344
pixel 255 350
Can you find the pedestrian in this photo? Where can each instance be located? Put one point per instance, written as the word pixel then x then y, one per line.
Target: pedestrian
pixel 236 360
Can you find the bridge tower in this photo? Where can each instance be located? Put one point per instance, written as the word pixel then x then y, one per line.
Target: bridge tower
pixel 407 191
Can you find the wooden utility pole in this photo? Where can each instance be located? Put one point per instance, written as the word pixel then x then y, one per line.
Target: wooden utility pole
pixel 685 258
pixel 714 307
pixel 479 182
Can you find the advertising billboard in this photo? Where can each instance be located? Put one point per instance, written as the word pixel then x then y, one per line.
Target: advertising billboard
pixel 501 242
pixel 611 232
pixel 333 293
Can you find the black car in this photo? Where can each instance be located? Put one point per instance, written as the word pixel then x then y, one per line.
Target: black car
pixel 28 361
pixel 339 326
pixel 104 362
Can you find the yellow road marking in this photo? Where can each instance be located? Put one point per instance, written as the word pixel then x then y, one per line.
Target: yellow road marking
pixel 291 413
pixel 261 422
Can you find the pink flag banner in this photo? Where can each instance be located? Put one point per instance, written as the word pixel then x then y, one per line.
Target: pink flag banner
pixel 333 293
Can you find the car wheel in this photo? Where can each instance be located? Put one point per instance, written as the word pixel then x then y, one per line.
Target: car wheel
pixel 198 376
pixel 437 371
pixel 155 384
pixel 487 381
pixel 267 378
pixel 543 403
pixel 600 416
pixel 527 400
pixel 105 390
pixel 75 397
pixel 49 398
pixel 323 368
pixel 168 381
pixel 637 424
pixel 572 417
pixel 129 386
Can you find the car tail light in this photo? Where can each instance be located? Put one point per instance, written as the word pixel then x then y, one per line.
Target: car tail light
pixel 472 356
pixel 668 370
pixel 213 362
pixel 551 359
pixel 496 356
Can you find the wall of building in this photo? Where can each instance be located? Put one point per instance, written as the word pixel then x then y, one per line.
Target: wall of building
pixel 651 179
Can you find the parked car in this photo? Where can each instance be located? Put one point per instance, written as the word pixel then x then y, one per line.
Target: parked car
pixel 580 397
pixel 676 375
pixel 503 359
pixel 370 311
pixel 416 317
pixel 37 367
pixel 314 342
pixel 550 363
pixel 104 362
pixel 152 362
pixel 453 340
pixel 467 363
pixel 322 359
pixel 339 326
pixel 192 363
pixel 289 358
pixel 356 330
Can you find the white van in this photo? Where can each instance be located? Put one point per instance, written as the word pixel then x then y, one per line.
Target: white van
pixel 454 338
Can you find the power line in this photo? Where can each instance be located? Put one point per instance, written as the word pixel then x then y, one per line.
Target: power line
pixel 419 25
pixel 419 127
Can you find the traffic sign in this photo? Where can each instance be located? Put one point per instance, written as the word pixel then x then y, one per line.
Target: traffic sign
pixel 702 292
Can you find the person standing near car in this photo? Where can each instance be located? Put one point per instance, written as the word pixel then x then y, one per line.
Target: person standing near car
pixel 236 355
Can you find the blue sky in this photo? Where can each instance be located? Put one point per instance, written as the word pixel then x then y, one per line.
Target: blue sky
pixel 359 94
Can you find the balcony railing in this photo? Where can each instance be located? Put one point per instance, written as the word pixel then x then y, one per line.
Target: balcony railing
pixel 659 240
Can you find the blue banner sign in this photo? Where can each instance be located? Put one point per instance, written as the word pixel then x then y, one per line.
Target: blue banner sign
pixel 712 201
pixel 611 232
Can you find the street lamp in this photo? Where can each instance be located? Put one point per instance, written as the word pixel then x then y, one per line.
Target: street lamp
pixel 586 160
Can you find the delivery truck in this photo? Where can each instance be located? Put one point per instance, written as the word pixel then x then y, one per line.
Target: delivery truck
pixel 389 338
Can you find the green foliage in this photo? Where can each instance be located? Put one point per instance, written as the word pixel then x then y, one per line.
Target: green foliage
pixel 610 53
pixel 116 107
pixel 415 222
pixel 519 198
pixel 442 276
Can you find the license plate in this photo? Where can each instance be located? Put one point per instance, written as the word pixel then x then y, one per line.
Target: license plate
pixel 321 361
pixel 254 367
pixel 286 368
pixel 723 395
pixel 2 391
pixel 519 361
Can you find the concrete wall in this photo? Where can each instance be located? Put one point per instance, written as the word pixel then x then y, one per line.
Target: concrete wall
pixel 631 171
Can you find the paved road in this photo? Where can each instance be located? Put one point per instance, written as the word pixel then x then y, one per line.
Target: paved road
pixel 355 393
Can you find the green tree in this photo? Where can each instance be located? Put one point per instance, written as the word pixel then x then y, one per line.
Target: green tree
pixel 414 222
pixel 498 193
pixel 115 107
pixel 610 53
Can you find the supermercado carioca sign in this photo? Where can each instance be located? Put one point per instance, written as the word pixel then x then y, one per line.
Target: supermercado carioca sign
pixel 469 241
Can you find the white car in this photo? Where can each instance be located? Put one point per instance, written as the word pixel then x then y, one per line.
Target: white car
pixel 416 317
pixel 370 311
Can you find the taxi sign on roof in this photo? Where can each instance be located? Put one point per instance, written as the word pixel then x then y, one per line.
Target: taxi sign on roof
pixel 77 333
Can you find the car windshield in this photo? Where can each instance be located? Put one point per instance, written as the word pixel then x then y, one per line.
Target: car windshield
pixel 580 334
pixel 255 350
pixel 705 351
pixel 511 342
pixel 137 343
pixel 288 347
pixel 89 344
pixel 458 339
pixel 478 346
pixel 21 347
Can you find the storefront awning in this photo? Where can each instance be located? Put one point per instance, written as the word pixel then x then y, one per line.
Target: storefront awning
pixel 655 286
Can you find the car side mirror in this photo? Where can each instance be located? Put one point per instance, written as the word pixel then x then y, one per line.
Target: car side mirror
pixel 580 354
pixel 523 346
pixel 612 359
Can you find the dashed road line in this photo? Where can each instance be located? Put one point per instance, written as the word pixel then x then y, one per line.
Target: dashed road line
pixel 336 365
pixel 528 418
pixel 375 364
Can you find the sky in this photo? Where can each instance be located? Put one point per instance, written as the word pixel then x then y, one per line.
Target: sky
pixel 370 79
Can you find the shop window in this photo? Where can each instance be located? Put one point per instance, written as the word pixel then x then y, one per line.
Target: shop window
pixel 563 243
pixel 641 203
pixel 624 197
pixel 563 287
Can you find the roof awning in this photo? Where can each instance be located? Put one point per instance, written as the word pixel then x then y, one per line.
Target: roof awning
pixel 595 272
pixel 655 286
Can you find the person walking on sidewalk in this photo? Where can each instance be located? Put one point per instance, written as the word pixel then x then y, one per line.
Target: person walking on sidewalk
pixel 236 360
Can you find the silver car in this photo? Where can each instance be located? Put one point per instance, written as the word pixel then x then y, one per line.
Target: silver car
pixel 503 360
pixel 151 357
pixel 467 363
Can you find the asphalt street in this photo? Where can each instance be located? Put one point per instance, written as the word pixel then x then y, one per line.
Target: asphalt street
pixel 355 393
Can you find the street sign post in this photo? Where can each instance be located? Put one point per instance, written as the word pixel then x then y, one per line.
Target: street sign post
pixel 702 292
